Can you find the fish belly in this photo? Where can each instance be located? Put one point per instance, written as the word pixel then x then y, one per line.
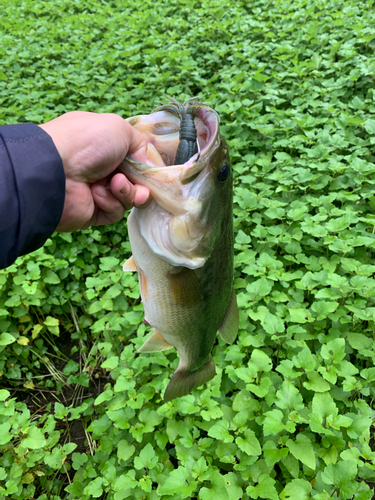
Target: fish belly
pixel 175 303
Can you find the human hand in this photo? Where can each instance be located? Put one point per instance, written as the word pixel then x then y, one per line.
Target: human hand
pixel 92 146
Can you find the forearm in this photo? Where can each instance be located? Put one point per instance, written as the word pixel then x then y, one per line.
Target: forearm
pixel 32 190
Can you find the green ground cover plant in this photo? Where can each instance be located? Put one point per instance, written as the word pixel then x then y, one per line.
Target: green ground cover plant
pixel 290 412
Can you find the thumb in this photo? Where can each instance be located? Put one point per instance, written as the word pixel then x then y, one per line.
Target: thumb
pixel 137 145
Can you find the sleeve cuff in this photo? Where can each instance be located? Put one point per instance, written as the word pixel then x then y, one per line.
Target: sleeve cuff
pixel 38 180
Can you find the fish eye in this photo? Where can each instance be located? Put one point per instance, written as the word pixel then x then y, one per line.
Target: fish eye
pixel 224 173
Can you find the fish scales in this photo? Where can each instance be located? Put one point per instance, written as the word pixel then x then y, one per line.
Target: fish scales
pixel 182 245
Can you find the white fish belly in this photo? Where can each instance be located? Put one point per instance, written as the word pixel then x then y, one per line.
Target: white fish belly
pixel 190 327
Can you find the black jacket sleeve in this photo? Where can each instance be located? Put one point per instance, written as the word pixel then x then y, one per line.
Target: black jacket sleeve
pixel 32 190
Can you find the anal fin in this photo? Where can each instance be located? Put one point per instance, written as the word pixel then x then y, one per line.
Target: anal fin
pixel 229 325
pixel 130 265
pixel 155 343
pixel 184 381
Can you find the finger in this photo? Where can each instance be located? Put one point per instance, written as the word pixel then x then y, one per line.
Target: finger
pixel 137 145
pixel 142 196
pixel 108 208
pixel 127 193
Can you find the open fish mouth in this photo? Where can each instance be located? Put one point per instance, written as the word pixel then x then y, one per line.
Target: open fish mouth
pixel 165 130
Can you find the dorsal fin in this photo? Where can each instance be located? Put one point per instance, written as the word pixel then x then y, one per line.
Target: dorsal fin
pixel 229 325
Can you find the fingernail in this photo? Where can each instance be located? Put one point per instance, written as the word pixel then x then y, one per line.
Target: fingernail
pixel 102 192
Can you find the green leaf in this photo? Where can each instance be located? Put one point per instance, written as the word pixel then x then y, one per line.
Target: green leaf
pixel 51 278
pixel 6 339
pixel 261 360
pixel 370 126
pixel 217 490
pixel 340 474
pixel 297 488
pixel 52 324
pixel 302 449
pixel 272 454
pixel 289 397
pixel 146 458
pixel 220 431
pixel 273 324
pixel 4 394
pixel 5 435
pixel 61 411
pixel 324 308
pixel 264 489
pixel 94 488
pixel 177 483
pixel 316 383
pixel 110 363
pixel 125 450
pixel 273 424
pixel 250 445
pixel 109 263
pixel 259 288
pixel 334 350
pixel 35 439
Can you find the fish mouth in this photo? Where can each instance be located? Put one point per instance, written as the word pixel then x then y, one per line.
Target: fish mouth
pixel 161 131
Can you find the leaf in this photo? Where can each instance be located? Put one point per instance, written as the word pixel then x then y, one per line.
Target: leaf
pixel 220 431
pixel 242 238
pixel 146 458
pixel 259 288
pixel 6 339
pixel 340 474
pixel 324 308
pixel 217 490
pixel 35 439
pixel 109 263
pixel 302 449
pixel 5 435
pixel 272 454
pixel 94 488
pixel 125 450
pixel 52 324
pixel 261 361
pixel 297 488
pixel 71 367
pixel 273 424
pixel 176 483
pixel 36 330
pixel 4 394
pixel 334 350
pixel 370 126
pixel 273 324
pixel 264 489
pixel 51 278
pixel 288 396
pixel 316 383
pixel 250 445
pixel 61 411
pixel 110 363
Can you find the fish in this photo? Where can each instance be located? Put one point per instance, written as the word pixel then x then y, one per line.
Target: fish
pixel 182 242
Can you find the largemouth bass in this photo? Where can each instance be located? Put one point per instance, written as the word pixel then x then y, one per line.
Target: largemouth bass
pixel 182 243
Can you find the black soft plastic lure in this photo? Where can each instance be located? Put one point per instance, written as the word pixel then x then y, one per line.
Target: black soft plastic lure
pixel 187 111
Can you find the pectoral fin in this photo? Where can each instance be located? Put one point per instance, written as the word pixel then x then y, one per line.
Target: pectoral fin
pixel 229 325
pixel 155 343
pixel 185 287
pixel 130 265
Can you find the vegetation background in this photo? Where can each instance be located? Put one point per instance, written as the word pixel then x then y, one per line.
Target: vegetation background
pixel 289 414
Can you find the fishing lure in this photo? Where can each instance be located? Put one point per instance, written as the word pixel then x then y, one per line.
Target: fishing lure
pixel 186 112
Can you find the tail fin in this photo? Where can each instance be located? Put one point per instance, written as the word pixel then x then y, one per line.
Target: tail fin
pixel 183 381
